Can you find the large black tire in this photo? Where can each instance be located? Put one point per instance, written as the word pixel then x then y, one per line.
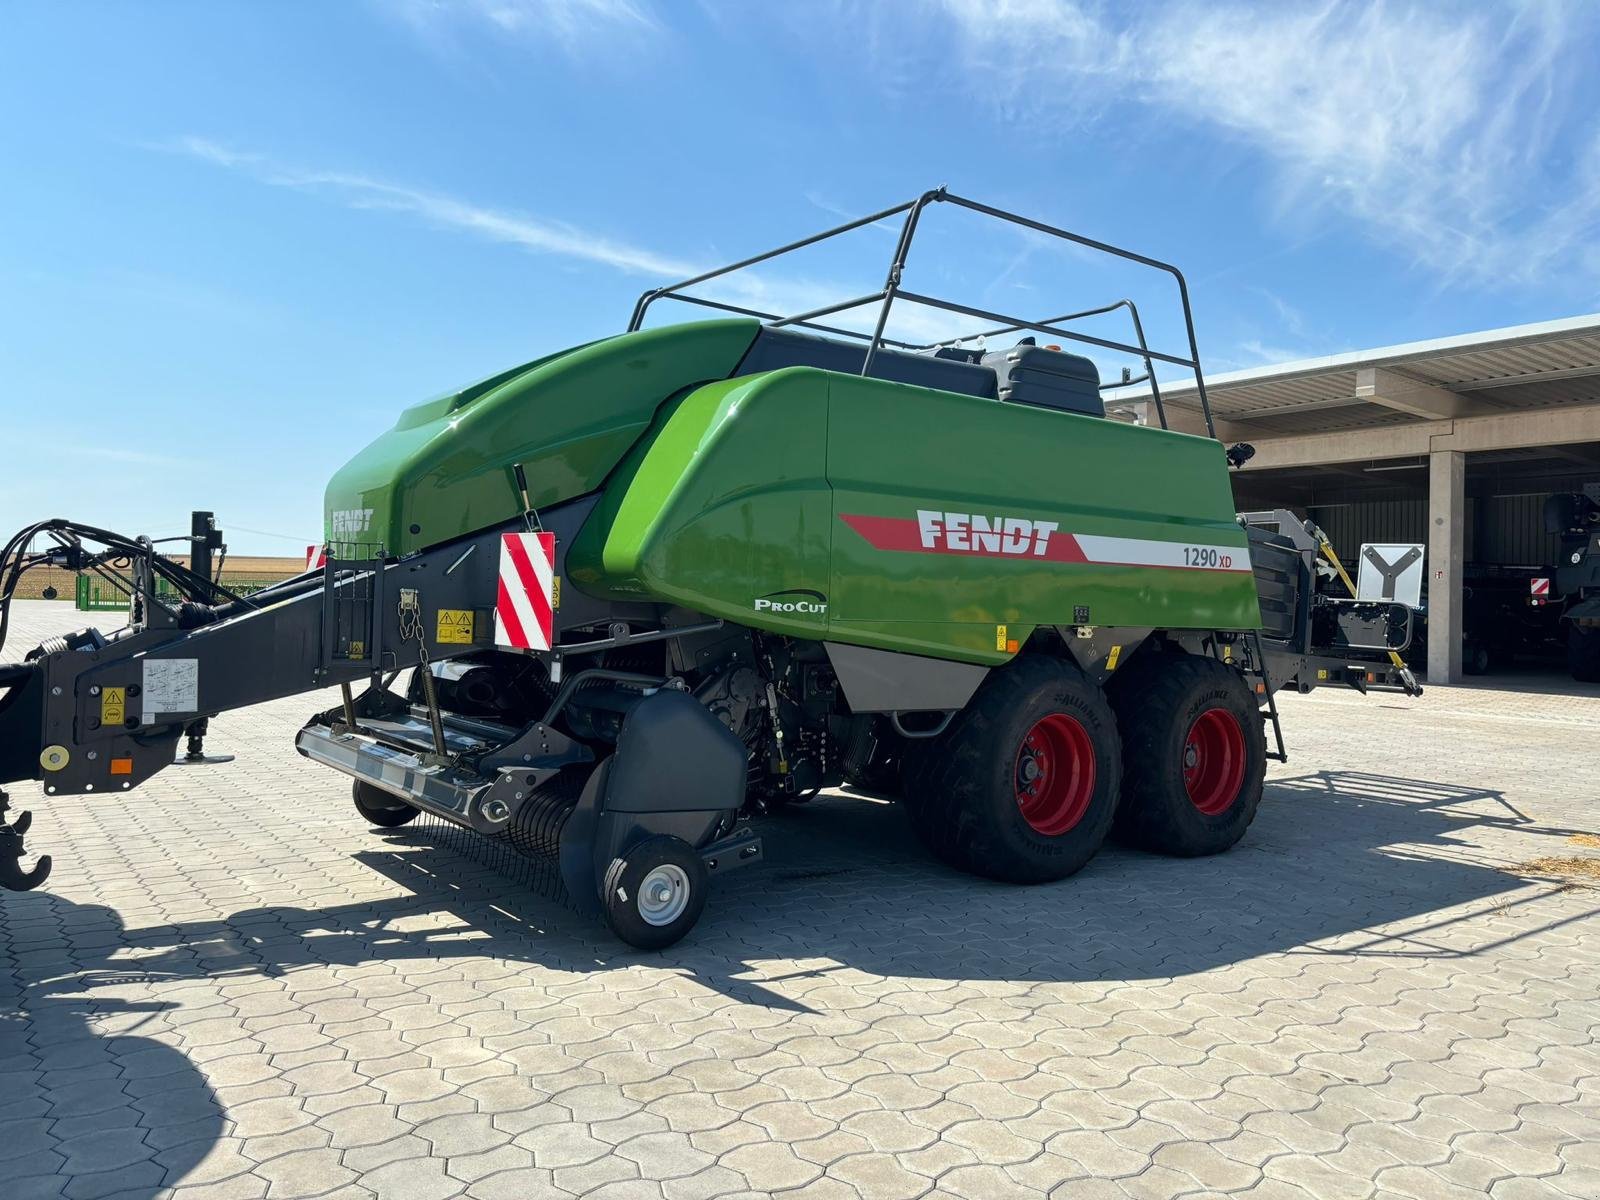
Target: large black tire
pixel 1583 653
pixel 1194 755
pixel 378 807
pixel 654 893
pixel 1476 659
pixel 1023 785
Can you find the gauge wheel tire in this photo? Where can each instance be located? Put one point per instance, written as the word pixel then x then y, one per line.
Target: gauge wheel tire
pixel 1023 785
pixel 1583 653
pixel 655 892
pixel 1194 756
pixel 381 808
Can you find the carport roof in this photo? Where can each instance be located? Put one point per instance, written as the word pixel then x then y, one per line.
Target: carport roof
pixel 1520 367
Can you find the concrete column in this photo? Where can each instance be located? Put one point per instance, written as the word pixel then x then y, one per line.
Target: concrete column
pixel 1447 525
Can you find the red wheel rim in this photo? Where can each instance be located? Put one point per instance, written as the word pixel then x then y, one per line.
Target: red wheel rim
pixel 1213 761
pixel 1054 774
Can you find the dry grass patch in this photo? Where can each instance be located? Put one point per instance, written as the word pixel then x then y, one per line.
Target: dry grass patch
pixel 1579 871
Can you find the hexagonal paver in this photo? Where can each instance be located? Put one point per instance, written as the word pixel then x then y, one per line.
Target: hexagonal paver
pixel 247 992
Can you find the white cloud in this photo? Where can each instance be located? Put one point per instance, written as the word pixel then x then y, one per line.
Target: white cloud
pixel 570 24
pixel 1440 130
pixel 749 288
pixel 360 191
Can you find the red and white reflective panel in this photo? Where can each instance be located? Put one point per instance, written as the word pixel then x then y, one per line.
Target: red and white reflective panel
pixel 1540 587
pixel 522 608
pixel 989 536
pixel 316 556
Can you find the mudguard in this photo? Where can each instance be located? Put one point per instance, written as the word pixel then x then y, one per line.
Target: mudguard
pixel 676 771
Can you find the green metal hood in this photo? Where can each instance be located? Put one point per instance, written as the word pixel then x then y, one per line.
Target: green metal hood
pixel 445 469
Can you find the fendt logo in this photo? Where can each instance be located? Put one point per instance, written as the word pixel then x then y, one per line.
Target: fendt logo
pixel 934 531
pixel 801 601
pixel 346 521
pixel 984 535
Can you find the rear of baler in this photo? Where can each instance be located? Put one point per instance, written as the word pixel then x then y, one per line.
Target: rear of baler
pixel 646 588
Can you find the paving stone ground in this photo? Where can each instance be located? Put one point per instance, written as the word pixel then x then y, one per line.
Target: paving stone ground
pixel 231 987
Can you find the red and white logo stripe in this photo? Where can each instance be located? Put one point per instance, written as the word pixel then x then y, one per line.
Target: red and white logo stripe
pixel 316 556
pixel 1540 587
pixel 522 609
pixel 1008 537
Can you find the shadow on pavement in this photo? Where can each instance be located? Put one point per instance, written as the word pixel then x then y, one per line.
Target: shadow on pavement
pixel 85 1095
pixel 1331 854
pixel 845 889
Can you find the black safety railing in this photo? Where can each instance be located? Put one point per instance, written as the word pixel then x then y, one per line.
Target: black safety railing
pixel 893 290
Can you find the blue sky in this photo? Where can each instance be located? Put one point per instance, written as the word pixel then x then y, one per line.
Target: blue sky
pixel 237 238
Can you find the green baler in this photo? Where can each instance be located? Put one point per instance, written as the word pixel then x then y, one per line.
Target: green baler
pixel 656 584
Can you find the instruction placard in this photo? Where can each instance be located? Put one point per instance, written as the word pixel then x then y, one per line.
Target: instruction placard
pixel 171 687
pixel 454 627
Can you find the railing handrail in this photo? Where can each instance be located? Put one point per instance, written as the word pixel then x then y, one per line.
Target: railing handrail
pixel 892 290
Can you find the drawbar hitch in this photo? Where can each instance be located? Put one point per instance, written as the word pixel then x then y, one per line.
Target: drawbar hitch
pixel 12 877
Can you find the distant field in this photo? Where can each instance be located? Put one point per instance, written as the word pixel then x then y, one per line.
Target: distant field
pixel 35 582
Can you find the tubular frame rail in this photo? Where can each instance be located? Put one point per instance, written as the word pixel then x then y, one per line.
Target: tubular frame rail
pixel 893 289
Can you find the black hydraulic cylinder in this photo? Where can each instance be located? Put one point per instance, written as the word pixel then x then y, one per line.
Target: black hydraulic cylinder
pixel 203 539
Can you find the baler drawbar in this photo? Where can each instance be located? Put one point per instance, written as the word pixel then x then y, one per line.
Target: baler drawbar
pixel 646 588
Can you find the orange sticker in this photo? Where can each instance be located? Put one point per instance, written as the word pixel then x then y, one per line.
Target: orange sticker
pixel 122 766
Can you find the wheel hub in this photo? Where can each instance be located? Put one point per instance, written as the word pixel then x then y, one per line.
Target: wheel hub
pixel 1054 775
pixel 664 894
pixel 1214 761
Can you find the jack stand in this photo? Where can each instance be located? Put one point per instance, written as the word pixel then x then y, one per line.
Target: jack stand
pixel 12 877
pixel 194 754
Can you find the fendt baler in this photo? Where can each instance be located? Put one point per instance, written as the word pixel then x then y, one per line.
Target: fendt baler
pixel 646 587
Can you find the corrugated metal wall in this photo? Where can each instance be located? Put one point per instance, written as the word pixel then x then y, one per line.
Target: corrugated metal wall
pixel 1349 525
pixel 1500 529
pixel 1511 530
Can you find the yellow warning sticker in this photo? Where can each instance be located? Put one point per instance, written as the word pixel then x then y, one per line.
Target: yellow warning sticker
pixel 1111 659
pixel 555 591
pixel 113 705
pixel 455 627
pixel 1322 674
pixel 1000 637
pixel 357 650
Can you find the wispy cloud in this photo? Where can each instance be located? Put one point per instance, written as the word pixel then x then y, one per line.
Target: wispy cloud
pixel 360 191
pixel 1445 132
pixel 1290 318
pixel 573 25
pixel 542 235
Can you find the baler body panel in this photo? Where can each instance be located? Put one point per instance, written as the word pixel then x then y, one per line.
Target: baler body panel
pixel 799 502
pixel 725 502
pixel 1112 490
pixel 445 469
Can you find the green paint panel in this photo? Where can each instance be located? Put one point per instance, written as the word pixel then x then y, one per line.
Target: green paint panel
pixel 727 502
pixel 445 469
pixel 742 490
pixel 1140 494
